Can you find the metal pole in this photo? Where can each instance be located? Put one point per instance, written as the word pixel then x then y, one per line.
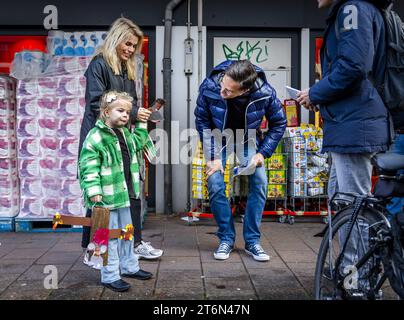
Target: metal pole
pixel 189 167
pixel 168 21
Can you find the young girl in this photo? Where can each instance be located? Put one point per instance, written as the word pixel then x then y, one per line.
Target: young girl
pixel 109 174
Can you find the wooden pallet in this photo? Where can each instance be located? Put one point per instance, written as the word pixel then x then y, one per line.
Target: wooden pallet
pixel 7 224
pixel 41 225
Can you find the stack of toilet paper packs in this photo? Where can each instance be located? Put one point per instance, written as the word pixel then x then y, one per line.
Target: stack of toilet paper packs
pixel 50 109
pixel 9 187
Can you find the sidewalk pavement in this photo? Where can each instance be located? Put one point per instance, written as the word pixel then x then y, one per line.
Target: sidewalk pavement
pixel 187 270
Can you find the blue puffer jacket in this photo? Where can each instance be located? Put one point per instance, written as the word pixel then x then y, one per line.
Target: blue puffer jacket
pixel 211 109
pixel 355 118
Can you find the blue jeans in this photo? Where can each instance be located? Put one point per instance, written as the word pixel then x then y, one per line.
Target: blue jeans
pixel 120 252
pixel 396 204
pixel 220 206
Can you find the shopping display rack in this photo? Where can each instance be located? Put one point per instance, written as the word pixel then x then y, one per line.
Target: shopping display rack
pixel 277 174
pixel 308 173
pixel 297 180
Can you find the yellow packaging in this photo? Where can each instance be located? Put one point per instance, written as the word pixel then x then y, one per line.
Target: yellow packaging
pixel 277 162
pixel 276 176
pixel 276 191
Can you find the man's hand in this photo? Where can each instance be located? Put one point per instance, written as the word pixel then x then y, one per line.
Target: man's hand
pixel 258 160
pixel 303 98
pixel 213 166
pixel 143 114
pixel 97 198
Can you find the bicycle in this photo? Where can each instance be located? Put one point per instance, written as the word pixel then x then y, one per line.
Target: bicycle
pixel 361 247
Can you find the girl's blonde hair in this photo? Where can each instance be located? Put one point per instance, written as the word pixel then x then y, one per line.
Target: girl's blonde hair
pixel 109 97
pixel 120 31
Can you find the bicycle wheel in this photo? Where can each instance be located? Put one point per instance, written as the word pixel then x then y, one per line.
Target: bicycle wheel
pixel 365 282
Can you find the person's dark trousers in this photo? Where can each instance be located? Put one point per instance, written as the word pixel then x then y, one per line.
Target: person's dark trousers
pixel 136 214
pixel 85 239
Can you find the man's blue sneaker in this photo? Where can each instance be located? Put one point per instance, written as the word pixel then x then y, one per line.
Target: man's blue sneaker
pixel 223 252
pixel 256 251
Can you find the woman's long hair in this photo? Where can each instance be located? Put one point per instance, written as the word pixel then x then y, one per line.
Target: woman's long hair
pixel 119 32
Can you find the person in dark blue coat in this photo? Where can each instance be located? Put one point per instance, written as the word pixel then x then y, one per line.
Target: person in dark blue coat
pixel 356 122
pixel 234 100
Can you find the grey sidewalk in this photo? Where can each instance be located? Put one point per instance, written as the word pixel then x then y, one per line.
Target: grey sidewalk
pixel 187 269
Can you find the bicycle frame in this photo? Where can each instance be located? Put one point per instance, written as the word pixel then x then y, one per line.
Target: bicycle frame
pixel 358 202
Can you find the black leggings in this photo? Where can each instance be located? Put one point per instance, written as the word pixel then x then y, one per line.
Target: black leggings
pixel 135 212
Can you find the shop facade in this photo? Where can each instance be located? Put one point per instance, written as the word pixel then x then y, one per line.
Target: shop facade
pixel 281 37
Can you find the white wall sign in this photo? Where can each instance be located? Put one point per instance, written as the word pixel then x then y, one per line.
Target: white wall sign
pixel 273 55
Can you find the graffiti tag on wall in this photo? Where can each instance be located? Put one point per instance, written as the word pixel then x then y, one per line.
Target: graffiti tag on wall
pixel 256 52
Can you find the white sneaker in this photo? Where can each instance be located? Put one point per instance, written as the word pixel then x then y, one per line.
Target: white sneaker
pixel 87 260
pixel 145 250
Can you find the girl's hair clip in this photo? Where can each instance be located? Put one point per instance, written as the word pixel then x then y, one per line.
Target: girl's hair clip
pixel 111 97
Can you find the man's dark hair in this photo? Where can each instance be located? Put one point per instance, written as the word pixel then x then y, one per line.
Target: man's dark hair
pixel 242 72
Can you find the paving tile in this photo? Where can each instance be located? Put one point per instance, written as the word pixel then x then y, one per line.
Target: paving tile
pixel 181 279
pixel 6 279
pixel 216 270
pixel 86 293
pixel 15 265
pixel 298 256
pixel 25 254
pixel 282 293
pixel 179 293
pixel 81 278
pixel 180 263
pixel 36 272
pixel 19 294
pixel 305 269
pixel 59 258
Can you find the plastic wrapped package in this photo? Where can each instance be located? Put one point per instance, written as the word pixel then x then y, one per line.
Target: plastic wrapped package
pixel 28 147
pixel 69 128
pixel 48 85
pixel 48 127
pixel 27 106
pixel 27 127
pixel 7 127
pixel 70 188
pixel 28 64
pixel 28 167
pixel 31 187
pixel 27 87
pixel 73 206
pixel 70 107
pixel 8 185
pixel 8 147
pixel 8 167
pixel 9 205
pixel 30 207
pixel 47 106
pixel 51 186
pixel 69 147
pixel 49 167
pixel 6 107
pixel 315 191
pixel 68 167
pixel 49 146
pixel 71 86
pixel 50 206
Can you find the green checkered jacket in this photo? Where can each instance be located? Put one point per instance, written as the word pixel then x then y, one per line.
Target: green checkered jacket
pixel 101 166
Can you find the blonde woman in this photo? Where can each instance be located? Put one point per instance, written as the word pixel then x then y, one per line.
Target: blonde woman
pixel 113 68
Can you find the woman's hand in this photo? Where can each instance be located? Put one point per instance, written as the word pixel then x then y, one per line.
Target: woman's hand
pixel 143 114
pixel 97 198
